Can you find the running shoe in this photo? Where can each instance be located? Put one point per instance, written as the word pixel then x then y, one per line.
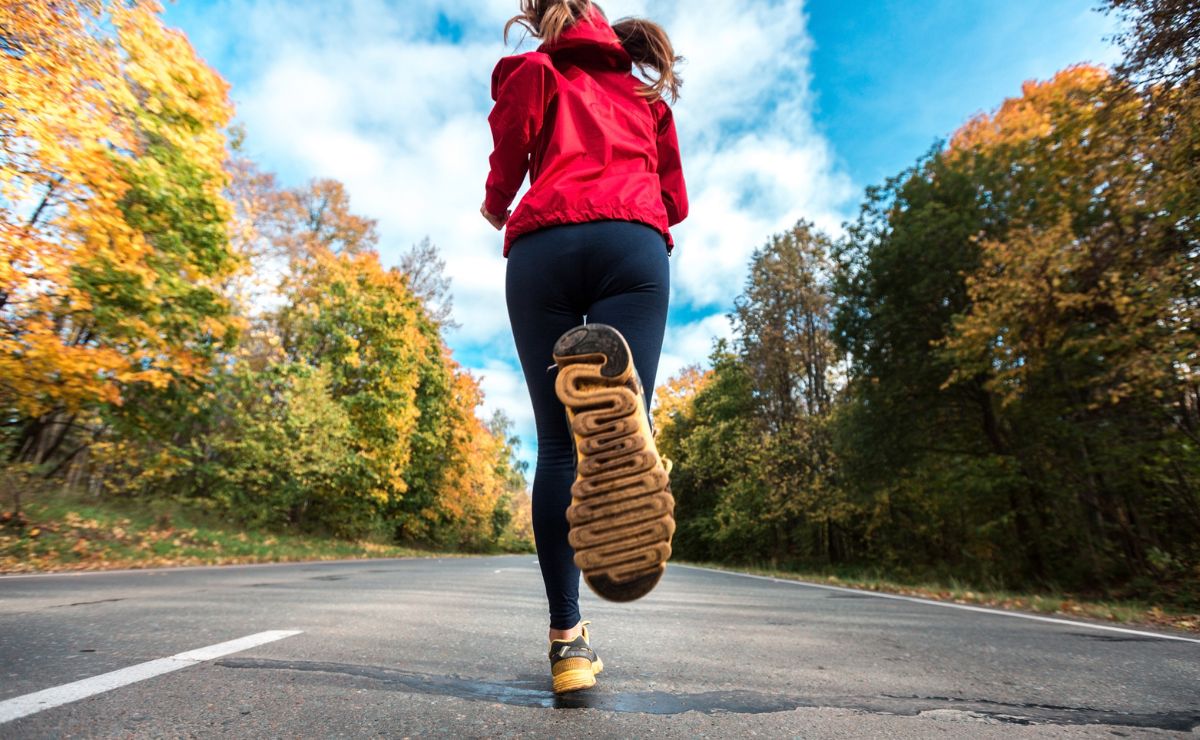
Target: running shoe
pixel 622 512
pixel 573 663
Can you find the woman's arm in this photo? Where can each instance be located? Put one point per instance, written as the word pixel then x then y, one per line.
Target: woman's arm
pixel 670 169
pixel 522 86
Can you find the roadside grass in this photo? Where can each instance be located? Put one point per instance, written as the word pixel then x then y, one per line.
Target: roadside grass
pixel 67 530
pixel 70 531
pixel 1122 611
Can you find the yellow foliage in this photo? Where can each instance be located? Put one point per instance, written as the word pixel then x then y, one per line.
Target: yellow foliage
pixel 1033 114
pixel 72 117
pixel 1087 268
pixel 678 393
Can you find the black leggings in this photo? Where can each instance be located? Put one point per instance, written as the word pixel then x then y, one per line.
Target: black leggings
pixel 612 272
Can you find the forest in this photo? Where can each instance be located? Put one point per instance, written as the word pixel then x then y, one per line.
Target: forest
pixel 175 324
pixel 992 375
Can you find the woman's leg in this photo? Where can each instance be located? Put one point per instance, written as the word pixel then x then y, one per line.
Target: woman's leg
pixel 631 291
pixel 538 291
pixel 616 272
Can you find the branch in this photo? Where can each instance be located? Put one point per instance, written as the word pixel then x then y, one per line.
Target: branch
pixel 66 460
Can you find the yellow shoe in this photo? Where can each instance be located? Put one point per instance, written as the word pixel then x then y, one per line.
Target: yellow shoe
pixel 573 663
pixel 622 511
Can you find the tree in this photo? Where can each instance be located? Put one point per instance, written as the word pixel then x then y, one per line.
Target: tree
pixel 317 217
pixel 929 463
pixel 425 269
pixel 512 522
pixel 1161 41
pixel 783 318
pixel 347 313
pixel 710 435
pixel 111 215
pixel 784 321
pixel 1083 316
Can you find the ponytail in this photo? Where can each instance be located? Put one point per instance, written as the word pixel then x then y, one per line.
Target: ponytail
pixel 547 19
pixel 647 44
pixel 645 41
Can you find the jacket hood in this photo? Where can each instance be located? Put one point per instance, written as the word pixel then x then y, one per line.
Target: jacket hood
pixel 592 34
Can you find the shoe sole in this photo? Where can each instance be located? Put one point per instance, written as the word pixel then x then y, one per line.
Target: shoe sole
pixel 577 677
pixel 621 512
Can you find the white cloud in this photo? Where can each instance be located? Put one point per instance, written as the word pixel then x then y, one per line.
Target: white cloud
pixel 504 390
pixel 365 92
pixel 753 159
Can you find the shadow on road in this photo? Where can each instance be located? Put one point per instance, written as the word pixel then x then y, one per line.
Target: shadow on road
pixel 533 692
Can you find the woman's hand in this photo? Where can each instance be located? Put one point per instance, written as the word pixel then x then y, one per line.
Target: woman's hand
pixel 496 221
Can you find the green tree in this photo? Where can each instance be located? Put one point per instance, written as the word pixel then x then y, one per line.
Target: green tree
pixel 347 313
pixel 930 462
pixel 710 435
pixel 783 320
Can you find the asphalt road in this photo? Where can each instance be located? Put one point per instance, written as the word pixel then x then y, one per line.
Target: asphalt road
pixel 456 646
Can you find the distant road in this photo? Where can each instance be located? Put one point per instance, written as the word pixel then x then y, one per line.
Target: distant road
pixel 456 646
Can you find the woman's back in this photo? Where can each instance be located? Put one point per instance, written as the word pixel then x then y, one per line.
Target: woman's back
pixel 572 115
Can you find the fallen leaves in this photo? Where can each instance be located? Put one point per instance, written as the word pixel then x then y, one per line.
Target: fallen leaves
pixel 95 539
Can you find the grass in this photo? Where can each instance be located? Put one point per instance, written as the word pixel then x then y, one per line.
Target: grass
pixel 69 531
pixel 1122 611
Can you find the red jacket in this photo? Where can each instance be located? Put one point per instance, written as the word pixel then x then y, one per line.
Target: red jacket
pixel 570 115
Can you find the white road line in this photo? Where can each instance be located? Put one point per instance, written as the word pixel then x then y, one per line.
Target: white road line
pixel 38 701
pixel 952 605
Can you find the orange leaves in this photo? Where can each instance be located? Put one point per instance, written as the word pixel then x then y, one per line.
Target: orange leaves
pixel 1085 283
pixel 677 394
pixel 473 488
pixel 1033 114
pixel 183 90
pixel 90 87
pixel 1022 309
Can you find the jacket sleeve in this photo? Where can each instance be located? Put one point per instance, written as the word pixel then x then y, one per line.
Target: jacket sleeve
pixel 522 87
pixel 670 170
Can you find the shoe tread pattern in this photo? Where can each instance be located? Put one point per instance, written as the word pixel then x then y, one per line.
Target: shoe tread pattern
pixel 621 514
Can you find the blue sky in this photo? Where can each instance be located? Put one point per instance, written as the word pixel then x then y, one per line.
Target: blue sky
pixel 891 76
pixel 789 109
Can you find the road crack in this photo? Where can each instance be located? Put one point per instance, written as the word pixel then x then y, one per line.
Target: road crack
pixel 534 691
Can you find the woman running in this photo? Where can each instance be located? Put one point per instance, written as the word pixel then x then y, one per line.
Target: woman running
pixel 590 241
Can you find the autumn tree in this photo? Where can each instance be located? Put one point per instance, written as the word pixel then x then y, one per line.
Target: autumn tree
pixel 175 322
pixel 317 217
pixel 112 215
pixel 260 211
pixel 349 314
pixel 1087 306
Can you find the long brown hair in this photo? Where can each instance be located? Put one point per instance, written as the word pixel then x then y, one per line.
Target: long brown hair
pixel 645 41
pixel 650 48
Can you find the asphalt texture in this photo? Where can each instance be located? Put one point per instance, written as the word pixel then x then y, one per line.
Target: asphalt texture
pixel 457 646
